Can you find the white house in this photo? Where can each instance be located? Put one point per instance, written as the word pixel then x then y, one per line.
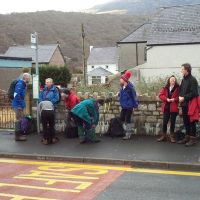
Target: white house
pixel 101 63
pixel 174 39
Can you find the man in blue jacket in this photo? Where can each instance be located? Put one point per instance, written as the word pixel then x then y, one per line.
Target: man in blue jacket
pixel 50 93
pixel 128 101
pixel 18 104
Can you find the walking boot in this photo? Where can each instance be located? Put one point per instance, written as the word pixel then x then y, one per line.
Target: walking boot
pixel 185 140
pixel 191 142
pixel 91 136
pixel 18 135
pixel 172 138
pixel 163 138
pixel 81 134
pixel 128 132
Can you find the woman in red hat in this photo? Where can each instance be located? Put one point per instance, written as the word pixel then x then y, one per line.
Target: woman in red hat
pixel 128 101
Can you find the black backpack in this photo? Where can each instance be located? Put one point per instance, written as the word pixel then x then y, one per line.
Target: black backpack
pixel 59 94
pixel 11 89
pixel 115 128
pixel 71 129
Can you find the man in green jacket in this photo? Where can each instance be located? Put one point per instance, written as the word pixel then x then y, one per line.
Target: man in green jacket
pixel 86 116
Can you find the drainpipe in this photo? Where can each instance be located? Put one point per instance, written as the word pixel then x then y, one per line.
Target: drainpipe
pixel 136 54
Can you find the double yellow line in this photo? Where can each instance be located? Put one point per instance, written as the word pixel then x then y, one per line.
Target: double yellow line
pixel 100 167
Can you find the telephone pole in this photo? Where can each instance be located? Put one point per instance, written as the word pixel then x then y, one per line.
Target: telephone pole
pixel 83 52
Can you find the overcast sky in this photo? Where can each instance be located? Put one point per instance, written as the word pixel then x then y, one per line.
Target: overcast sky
pixel 9 6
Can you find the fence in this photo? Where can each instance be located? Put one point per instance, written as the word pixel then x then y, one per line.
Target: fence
pixel 7 114
pixel 7 117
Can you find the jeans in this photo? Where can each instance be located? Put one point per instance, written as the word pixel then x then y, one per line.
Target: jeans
pixel 125 115
pixel 166 117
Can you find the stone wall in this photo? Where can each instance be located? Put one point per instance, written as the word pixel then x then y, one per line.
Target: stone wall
pixel 146 120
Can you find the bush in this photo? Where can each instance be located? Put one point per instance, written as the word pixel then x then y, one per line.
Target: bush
pixel 152 87
pixel 96 88
pixel 60 75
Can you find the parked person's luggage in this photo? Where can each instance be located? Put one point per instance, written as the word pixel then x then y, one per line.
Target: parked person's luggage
pixel 71 129
pixel 180 133
pixel 115 128
pixel 25 124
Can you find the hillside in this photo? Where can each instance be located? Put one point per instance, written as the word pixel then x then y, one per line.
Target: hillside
pixel 52 26
pixel 138 7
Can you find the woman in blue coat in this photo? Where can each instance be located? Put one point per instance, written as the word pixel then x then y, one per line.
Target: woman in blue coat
pixel 128 101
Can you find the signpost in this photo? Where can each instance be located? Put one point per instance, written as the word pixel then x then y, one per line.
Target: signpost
pixel 34 45
pixel 35 86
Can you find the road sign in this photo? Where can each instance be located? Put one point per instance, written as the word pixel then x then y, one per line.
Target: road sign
pixel 34 40
pixel 35 86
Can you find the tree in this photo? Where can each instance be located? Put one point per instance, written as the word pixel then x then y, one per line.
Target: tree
pixel 60 75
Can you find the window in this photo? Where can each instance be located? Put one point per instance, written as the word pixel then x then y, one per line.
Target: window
pixel 106 80
pixel 96 79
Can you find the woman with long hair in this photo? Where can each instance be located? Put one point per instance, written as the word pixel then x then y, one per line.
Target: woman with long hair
pixel 169 95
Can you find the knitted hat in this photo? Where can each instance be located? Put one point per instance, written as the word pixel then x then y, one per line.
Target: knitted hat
pixel 126 76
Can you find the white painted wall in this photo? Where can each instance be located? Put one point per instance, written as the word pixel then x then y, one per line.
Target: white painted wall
pixel 173 55
pixel 113 68
pixel 167 60
pixel 103 80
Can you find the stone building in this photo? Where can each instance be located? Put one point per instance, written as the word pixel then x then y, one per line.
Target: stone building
pixel 49 54
pixel 11 68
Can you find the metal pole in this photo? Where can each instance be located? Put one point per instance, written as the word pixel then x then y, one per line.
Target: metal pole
pixel 37 73
pixel 137 54
pixel 84 59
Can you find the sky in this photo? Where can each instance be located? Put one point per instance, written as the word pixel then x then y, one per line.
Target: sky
pixel 9 6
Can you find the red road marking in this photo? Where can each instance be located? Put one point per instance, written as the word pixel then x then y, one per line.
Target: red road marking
pixel 29 180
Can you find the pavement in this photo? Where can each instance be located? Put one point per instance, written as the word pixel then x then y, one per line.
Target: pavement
pixel 140 151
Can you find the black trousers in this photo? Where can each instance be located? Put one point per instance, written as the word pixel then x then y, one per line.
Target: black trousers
pixel 125 115
pixel 48 122
pixel 169 116
pixel 190 127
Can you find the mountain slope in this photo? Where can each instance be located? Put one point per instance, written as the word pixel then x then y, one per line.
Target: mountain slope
pixel 52 26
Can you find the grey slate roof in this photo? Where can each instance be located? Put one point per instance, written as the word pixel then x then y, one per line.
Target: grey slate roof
pixel 45 52
pixel 176 25
pixel 99 72
pixel 2 56
pixel 107 55
pixel 138 35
